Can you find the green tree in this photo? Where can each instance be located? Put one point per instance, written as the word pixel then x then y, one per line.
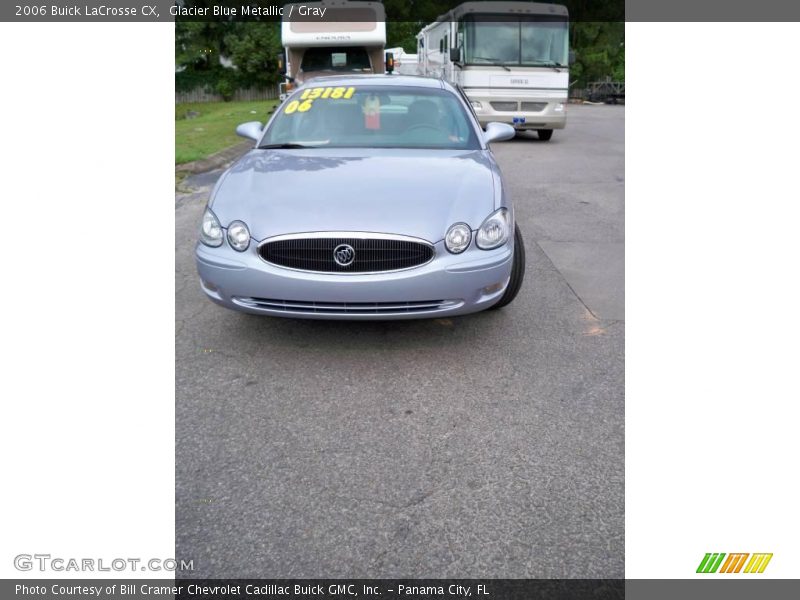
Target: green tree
pixel 198 47
pixel 250 46
pixel 599 50
pixel 253 48
pixel 403 34
pixel 198 44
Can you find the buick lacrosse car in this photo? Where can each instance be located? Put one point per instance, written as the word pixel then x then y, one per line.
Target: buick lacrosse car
pixel 364 197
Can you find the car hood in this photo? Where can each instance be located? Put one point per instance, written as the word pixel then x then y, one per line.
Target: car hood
pixel 402 191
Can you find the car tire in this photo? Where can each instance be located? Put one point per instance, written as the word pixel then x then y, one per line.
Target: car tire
pixel 517 272
pixel 545 134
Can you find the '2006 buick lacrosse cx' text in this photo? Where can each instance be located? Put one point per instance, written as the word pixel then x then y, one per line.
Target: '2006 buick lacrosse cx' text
pixel 364 197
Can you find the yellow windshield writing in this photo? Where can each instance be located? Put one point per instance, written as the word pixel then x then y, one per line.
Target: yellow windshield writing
pixel 308 96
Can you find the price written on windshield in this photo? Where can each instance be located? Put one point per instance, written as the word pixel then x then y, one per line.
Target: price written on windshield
pixel 308 96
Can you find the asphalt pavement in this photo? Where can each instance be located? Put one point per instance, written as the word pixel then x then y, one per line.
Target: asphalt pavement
pixel 490 445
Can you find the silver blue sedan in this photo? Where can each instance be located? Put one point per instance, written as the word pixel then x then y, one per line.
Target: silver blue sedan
pixel 368 197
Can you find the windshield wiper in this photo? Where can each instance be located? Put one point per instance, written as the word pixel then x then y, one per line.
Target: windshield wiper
pixel 284 146
pixel 491 63
pixel 549 63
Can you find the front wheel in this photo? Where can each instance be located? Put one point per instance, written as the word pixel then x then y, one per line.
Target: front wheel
pixel 545 134
pixel 517 271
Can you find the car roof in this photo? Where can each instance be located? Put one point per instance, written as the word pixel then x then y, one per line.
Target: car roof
pixel 378 80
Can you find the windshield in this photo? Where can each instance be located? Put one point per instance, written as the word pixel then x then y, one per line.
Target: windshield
pixel 526 41
pixel 372 116
pixel 335 59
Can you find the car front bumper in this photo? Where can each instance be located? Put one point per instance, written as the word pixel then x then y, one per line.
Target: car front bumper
pixel 449 285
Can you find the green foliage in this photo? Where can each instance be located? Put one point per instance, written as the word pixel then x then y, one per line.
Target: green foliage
pixel 405 22
pixel 204 128
pixel 599 50
pixel 198 44
pixel 251 46
pixel 192 78
pixel 226 88
pixel 403 34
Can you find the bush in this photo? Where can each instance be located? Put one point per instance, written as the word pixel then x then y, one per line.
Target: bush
pixel 225 88
pixel 192 78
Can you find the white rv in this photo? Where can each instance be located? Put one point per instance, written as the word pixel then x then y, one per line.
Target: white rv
pixel 510 58
pixel 333 44
pixel 404 63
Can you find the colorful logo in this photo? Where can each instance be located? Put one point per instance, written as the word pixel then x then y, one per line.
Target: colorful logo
pixel 734 562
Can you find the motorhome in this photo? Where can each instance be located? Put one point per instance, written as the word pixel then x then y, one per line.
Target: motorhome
pixel 404 63
pixel 510 58
pixel 350 39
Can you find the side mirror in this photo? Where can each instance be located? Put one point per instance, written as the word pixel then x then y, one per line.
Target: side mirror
pixel 455 55
pixel 251 130
pixel 572 57
pixel 281 60
pixel 389 62
pixel 498 132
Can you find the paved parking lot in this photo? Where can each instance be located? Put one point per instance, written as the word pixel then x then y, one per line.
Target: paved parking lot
pixel 490 445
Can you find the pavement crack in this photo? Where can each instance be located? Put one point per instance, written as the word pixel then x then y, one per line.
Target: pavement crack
pixel 564 279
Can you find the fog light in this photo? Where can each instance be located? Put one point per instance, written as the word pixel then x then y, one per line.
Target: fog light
pixel 559 107
pixel 477 105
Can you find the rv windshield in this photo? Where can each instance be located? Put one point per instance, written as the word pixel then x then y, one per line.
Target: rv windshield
pixel 335 59
pixel 371 117
pixel 521 41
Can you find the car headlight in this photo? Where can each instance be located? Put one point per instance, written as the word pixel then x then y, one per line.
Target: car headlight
pixel 458 238
pixel 210 230
pixel 238 236
pixel 495 230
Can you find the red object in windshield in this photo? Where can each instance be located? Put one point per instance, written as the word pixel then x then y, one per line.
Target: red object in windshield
pixel 372 113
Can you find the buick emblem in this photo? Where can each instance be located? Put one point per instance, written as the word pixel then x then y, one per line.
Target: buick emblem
pixel 344 255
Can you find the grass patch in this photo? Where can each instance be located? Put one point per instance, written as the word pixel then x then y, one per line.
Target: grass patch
pixel 213 128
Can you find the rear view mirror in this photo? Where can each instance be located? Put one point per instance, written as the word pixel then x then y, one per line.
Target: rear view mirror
pixel 250 130
pixel 498 132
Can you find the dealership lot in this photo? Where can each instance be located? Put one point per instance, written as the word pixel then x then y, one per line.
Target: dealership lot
pixel 485 445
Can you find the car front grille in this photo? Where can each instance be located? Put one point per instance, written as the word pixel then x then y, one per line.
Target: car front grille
pixel 346 308
pixel 370 254
pixel 534 106
pixel 504 106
